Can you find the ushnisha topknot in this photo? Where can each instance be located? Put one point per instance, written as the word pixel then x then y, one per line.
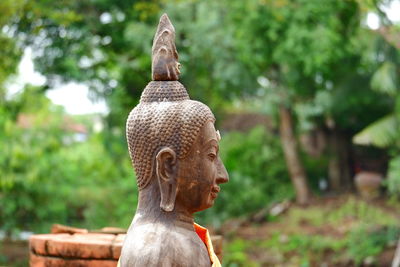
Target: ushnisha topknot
pixel 165 116
pixel 165 65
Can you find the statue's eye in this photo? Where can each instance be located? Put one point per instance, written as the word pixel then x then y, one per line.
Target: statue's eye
pixel 211 156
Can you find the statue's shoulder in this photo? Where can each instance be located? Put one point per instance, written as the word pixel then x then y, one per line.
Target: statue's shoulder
pixel 158 245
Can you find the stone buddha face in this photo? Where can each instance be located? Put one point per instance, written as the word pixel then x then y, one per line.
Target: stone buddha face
pixel 198 175
pixel 191 183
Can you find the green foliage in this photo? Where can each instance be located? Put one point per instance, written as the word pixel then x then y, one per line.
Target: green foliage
pixel 282 39
pixel 309 51
pixel 10 53
pixel 235 254
pixel 222 51
pixel 382 133
pixel 351 209
pixel 47 177
pixel 251 186
pixel 368 230
pixel 364 242
pixel 384 79
pixel 309 247
pixel 360 244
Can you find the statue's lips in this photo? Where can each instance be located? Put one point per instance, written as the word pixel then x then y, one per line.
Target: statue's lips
pixel 214 191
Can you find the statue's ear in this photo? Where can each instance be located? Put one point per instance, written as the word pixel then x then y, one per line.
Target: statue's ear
pixel 167 177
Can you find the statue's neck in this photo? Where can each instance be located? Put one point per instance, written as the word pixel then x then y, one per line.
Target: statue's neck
pixel 149 211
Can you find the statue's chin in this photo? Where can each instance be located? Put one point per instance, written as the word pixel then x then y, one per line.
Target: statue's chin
pixel 207 205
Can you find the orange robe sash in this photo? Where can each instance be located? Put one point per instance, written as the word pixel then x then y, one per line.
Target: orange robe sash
pixel 205 237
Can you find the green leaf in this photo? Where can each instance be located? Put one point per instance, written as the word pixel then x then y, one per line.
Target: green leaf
pixel 381 133
pixel 384 79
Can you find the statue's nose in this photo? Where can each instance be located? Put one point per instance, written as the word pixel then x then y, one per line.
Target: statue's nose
pixel 222 174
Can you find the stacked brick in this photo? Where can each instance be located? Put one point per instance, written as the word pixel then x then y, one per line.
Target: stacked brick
pixel 86 250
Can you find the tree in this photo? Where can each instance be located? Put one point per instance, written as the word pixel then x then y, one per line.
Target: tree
pixel 302 48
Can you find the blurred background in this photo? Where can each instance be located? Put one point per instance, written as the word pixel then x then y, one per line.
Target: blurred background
pixel 306 95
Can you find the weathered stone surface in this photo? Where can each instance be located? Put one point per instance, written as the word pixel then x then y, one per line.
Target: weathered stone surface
pixel 94 246
pixel 39 243
pixel 64 229
pixel 89 249
pixel 117 245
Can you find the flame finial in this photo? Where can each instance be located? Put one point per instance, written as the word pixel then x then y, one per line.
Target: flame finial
pixel 165 65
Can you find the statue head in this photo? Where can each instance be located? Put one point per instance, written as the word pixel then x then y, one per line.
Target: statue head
pixel 172 140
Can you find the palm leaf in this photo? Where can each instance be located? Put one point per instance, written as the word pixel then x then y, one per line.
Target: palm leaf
pixel 382 133
pixel 384 79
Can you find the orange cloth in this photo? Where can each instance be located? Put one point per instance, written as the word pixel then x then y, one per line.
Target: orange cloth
pixel 205 237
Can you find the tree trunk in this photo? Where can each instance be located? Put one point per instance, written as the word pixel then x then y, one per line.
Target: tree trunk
pixel 334 172
pixel 339 169
pixel 290 149
pixel 347 170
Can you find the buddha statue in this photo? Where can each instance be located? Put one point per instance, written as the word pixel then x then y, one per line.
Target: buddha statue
pixel 173 146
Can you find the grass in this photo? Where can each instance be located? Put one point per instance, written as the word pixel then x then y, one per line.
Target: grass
pixel 347 231
pixel 352 209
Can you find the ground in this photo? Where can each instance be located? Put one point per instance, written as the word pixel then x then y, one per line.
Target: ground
pixel 336 231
